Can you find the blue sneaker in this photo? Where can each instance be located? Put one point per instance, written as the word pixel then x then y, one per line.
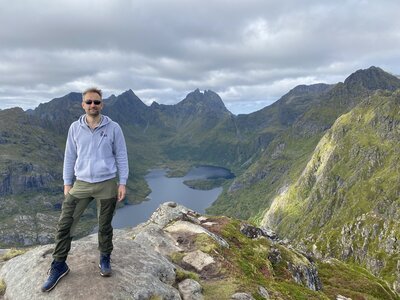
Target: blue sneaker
pixel 104 265
pixel 57 271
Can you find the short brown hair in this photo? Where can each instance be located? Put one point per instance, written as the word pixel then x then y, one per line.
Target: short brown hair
pixel 92 90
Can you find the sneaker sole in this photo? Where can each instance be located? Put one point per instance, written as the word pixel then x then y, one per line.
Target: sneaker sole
pixel 54 285
pixel 104 274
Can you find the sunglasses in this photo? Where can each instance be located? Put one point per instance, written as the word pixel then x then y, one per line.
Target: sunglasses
pixel 96 102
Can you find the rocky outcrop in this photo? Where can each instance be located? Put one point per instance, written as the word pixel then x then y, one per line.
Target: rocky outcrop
pixel 306 274
pixel 190 290
pixel 198 260
pixel 340 297
pixel 18 178
pixel 302 269
pixel 242 296
pixel 184 226
pixel 28 230
pixel 139 273
pixel 176 254
pixel 255 232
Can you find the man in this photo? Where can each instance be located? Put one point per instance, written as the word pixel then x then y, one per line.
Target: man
pixel 95 151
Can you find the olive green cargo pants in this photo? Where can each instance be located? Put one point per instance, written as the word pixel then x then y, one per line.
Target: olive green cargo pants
pixel 75 203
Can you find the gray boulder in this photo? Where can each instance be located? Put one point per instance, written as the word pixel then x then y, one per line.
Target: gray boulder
pixel 242 296
pixel 198 260
pixel 184 226
pixel 138 273
pixel 190 290
pixel 263 292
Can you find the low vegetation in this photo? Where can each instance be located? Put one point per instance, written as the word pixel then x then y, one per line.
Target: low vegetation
pixel 3 287
pixel 11 253
pixel 347 196
pixel 249 265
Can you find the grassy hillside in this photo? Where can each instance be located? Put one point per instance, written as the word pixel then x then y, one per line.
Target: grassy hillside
pixel 346 203
pixel 279 163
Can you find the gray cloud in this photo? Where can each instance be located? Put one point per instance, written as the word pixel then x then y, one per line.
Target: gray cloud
pixel 250 52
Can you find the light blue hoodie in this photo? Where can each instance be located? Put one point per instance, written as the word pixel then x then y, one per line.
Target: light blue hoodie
pixel 95 155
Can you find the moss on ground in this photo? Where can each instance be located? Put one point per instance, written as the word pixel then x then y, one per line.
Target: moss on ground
pixel 13 252
pixel 246 266
pixel 288 290
pixel 2 287
pixel 205 243
pixel 223 288
pixel 249 265
pixel 176 257
pixel 182 274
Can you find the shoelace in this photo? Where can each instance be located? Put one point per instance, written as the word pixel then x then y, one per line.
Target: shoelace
pixel 51 272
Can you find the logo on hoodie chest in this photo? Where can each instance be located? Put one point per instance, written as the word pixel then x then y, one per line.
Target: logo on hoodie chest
pixel 104 144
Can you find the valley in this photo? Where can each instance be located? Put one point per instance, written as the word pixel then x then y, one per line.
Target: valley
pixel 319 166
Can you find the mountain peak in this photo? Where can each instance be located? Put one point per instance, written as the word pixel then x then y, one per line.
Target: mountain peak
pixel 129 97
pixel 155 104
pixel 70 100
pixel 128 93
pixel 373 78
pixel 196 91
pixel 208 101
pixel 125 107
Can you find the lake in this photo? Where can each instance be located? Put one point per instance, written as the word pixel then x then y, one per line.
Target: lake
pixel 171 189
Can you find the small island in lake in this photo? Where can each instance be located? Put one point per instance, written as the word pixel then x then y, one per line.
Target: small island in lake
pixel 204 184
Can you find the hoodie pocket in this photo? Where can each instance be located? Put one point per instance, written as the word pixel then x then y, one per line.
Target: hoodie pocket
pixel 105 167
pixel 82 167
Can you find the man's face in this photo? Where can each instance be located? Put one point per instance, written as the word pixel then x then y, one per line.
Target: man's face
pixel 92 109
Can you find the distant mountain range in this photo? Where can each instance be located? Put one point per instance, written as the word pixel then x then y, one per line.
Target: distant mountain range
pixel 319 165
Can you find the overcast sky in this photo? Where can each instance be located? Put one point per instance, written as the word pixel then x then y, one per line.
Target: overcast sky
pixel 250 52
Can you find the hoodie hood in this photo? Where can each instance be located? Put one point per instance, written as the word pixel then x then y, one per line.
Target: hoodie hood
pixel 104 121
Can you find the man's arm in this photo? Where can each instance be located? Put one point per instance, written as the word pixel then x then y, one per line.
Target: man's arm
pixel 69 161
pixel 121 157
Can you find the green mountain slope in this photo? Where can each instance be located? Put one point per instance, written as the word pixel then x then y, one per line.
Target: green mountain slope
pixel 346 202
pixel 280 162
pixel 30 190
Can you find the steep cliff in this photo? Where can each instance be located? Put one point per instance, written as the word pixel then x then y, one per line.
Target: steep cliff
pixel 346 202
pixel 281 158
pixel 30 179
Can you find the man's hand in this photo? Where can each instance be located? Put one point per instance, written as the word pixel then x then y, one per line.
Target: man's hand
pixel 121 192
pixel 67 189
